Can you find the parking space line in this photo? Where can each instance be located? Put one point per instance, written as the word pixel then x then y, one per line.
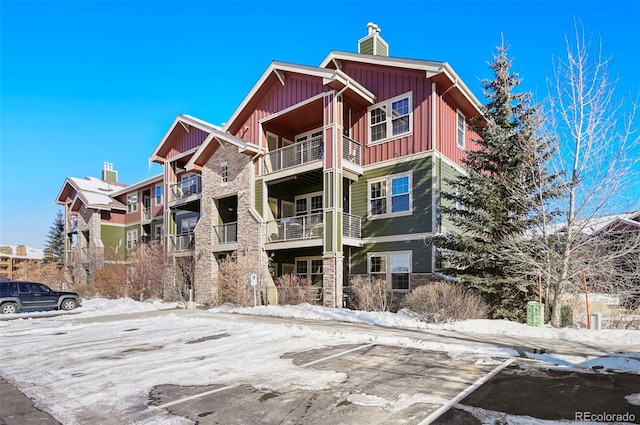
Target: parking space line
pixel 227 387
pixel 193 397
pixel 337 355
pixel 444 408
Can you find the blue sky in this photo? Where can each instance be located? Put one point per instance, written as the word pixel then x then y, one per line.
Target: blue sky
pixel 84 82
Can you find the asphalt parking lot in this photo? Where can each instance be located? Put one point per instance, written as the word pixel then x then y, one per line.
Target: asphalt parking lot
pixel 376 382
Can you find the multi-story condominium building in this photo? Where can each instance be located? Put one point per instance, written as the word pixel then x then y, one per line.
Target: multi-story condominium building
pixel 323 171
pixel 19 262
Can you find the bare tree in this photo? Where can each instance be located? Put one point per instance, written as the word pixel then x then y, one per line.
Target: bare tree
pixel 597 158
pixel 146 270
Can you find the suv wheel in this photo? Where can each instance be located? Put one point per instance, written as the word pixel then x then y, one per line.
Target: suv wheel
pixel 68 304
pixel 9 308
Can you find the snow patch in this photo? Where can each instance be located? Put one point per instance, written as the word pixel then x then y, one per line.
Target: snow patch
pixel 633 399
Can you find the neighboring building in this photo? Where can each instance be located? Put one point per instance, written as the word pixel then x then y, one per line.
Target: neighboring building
pixel 16 261
pixel 326 172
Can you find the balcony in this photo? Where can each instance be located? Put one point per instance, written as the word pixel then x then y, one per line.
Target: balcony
pixel 310 228
pixel 351 151
pixel 181 243
pixel 295 155
pixel 225 235
pixel 186 190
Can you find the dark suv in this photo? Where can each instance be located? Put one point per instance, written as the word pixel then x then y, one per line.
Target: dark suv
pixel 20 295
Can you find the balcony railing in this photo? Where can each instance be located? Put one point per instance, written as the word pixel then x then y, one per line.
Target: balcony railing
pixel 225 233
pixel 181 243
pixel 186 188
pixel 309 226
pixel 351 151
pixel 146 213
pixel 297 154
pixel 351 226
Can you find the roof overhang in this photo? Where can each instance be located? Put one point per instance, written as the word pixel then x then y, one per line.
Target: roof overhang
pixel 143 183
pixel 216 139
pixel 440 72
pixel 333 78
pixel 184 121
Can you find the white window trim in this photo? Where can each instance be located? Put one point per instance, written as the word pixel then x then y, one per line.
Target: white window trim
pixel 308 197
pixel 132 238
pixel 134 206
pixel 309 268
pixel 389 120
pixel 308 135
pixel 464 129
pixel 388 255
pixel 161 194
pixel 388 179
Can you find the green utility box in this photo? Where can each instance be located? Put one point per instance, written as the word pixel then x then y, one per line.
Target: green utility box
pixel 535 313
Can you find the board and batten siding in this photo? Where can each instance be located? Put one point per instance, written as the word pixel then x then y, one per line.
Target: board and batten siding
pixel 387 83
pixel 445 172
pixel 447 128
pixel 420 221
pixel 182 141
pixel 277 97
pixel 420 255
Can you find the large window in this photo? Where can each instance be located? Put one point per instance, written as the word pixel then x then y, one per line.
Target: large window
pixel 460 130
pixel 392 267
pixel 188 225
pixel 132 203
pixel 390 119
pixel 390 196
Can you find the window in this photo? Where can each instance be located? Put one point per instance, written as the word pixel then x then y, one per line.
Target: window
pixel 391 118
pixel 190 184
pixel 188 225
pixel 132 238
pixel 460 130
pixel 132 203
pixel 309 203
pixel 392 267
pixel 390 196
pixel 310 268
pixel 158 194
pixel 224 172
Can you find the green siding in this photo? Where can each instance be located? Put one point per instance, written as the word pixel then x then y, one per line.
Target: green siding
pixel 259 200
pixel 420 257
pixel 366 46
pixel 114 240
pixel 418 222
pixel 445 172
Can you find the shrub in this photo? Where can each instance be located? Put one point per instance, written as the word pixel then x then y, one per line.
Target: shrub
pixel 370 294
pixel 111 281
pixel 566 316
pixel 295 290
pixel 445 301
pixel 234 274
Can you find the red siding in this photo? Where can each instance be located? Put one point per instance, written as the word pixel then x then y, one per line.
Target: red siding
pixel 297 88
pixel 447 132
pixel 386 83
pixel 181 141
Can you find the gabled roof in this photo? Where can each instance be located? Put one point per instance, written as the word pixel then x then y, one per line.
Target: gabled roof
pixel 91 192
pixel 436 70
pixel 184 121
pixel 210 145
pixel 335 79
pixel 143 183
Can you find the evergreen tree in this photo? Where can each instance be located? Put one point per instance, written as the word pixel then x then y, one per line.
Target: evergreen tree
pixel 502 194
pixel 54 248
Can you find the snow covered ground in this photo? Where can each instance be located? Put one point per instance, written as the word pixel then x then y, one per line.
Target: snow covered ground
pixel 70 367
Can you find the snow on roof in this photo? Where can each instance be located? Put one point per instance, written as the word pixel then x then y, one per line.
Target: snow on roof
pixel 96 192
pixel 593 225
pixel 31 253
